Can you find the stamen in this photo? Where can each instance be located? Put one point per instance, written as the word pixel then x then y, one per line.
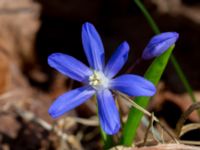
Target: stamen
pixel 98 80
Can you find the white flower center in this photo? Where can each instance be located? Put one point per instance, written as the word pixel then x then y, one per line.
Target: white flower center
pixel 98 80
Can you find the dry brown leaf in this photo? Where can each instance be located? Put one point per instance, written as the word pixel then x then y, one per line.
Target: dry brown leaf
pixel 183 101
pixel 160 147
pixel 167 7
pixel 19 23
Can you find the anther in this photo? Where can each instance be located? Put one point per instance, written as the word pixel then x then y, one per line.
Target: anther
pixel 98 80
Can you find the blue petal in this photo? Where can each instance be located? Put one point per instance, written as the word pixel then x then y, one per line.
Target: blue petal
pixel 133 85
pixel 117 60
pixel 69 66
pixel 159 44
pixel 108 113
pixel 93 46
pixel 70 100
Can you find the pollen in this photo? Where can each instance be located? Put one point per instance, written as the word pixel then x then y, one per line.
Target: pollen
pixel 98 80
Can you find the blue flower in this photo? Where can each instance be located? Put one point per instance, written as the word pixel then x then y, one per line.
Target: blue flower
pixel 98 80
pixel 159 44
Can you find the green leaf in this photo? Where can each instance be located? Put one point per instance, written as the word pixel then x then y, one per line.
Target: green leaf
pixel 153 74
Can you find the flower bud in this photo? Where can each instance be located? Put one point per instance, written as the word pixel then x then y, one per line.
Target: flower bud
pixel 159 44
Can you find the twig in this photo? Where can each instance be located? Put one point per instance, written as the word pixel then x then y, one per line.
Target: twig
pixel 133 66
pixel 184 116
pixel 31 117
pixel 190 142
pixel 148 128
pixel 155 133
pixel 189 127
pixel 10 94
pixel 89 122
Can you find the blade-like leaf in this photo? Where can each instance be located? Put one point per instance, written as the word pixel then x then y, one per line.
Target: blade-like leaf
pixel 153 74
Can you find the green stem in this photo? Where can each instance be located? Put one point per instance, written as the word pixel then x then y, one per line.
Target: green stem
pixel 183 78
pixel 148 17
pixel 107 140
pixel 173 59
